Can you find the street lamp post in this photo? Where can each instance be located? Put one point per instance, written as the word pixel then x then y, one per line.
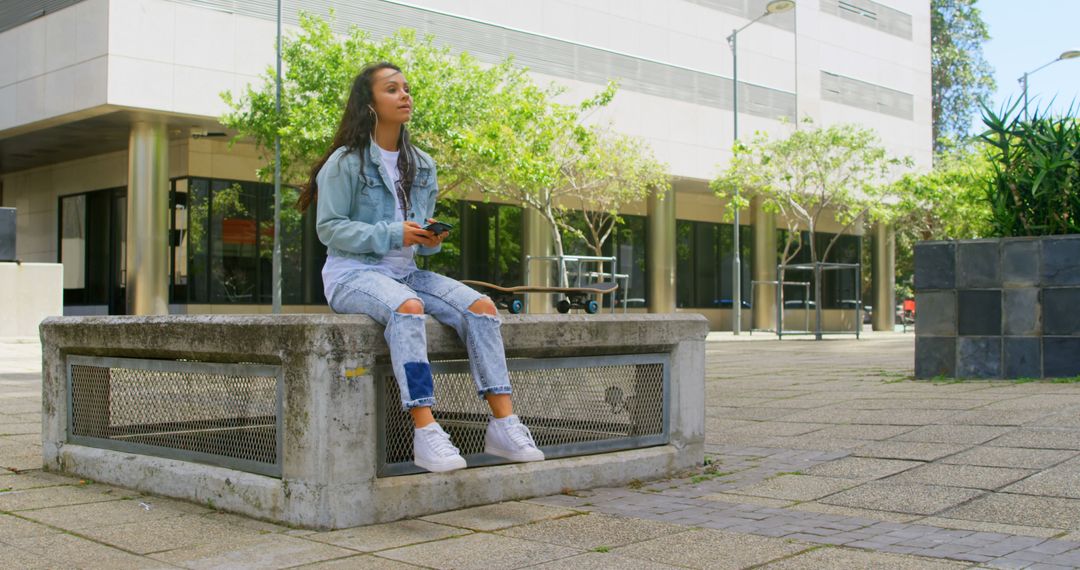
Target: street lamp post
pixel 1071 54
pixel 774 7
pixel 275 261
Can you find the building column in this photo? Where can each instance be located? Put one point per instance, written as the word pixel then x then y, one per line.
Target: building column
pixel 764 301
pixel 147 283
pixel 660 253
pixel 884 277
pixel 537 241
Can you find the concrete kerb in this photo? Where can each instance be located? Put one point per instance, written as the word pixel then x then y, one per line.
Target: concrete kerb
pixel 328 461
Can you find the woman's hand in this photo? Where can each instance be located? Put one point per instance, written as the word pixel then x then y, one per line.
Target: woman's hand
pixel 417 235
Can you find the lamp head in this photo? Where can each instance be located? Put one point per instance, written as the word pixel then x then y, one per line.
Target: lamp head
pixel 1071 54
pixel 779 6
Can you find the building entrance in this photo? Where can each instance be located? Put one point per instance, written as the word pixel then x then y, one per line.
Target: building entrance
pixel 93 242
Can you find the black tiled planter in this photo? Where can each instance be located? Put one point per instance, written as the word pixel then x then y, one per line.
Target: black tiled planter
pixel 998 308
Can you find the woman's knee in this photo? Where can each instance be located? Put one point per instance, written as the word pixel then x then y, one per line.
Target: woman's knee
pixel 483 306
pixel 412 306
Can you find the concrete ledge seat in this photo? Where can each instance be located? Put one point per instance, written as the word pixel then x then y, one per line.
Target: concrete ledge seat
pixel 295 418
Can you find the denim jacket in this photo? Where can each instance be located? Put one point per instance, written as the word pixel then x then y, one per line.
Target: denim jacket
pixel 355 210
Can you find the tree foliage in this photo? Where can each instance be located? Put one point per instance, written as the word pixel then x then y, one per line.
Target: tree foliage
pixel 840 172
pixel 491 129
pixel 948 202
pixel 961 78
pixel 1033 187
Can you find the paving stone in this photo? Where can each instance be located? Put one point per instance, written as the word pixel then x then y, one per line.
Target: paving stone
pixel 1046 403
pixel 902 498
pixel 262 551
pixel 1024 510
pixel 389 535
pixel 37 498
pixel 952 434
pixel 732 497
pixel 157 535
pixel 984 527
pixel 797 487
pixel 107 513
pixel 591 531
pixel 1010 457
pixel 501 515
pixel 1034 438
pixel 707 548
pixel 862 432
pixel 994 417
pixel 359 562
pixel 861 468
pixel 480 551
pixel 14 527
pixel 1060 481
pixel 972 476
pixel 602 561
pixel 23 560
pixel 67 551
pixel 917 451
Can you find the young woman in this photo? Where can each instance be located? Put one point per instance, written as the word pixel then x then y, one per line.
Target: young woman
pixel 372 190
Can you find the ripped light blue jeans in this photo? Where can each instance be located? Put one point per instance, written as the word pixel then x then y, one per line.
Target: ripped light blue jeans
pixel 379 296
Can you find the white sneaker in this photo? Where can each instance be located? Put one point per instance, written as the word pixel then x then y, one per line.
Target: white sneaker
pixel 433 451
pixel 510 439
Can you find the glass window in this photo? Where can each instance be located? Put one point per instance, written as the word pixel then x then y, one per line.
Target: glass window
pixel 838 286
pixel 73 240
pixel 630 240
pixel 704 263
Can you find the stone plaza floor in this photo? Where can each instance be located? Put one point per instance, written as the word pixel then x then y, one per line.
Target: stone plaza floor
pixel 821 455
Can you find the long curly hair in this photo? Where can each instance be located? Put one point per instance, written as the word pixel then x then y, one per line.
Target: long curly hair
pixel 355 132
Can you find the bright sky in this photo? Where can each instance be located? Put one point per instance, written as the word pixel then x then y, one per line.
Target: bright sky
pixel 1025 34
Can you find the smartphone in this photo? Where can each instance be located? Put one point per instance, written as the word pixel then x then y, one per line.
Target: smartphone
pixel 438 227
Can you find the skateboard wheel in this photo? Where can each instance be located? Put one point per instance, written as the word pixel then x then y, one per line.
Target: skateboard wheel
pixel 591 307
pixel 563 306
pixel 515 306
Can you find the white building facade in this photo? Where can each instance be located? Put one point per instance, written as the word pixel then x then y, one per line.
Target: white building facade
pixel 104 105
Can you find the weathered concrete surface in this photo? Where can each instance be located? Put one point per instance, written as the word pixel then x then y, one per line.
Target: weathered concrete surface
pixel 329 458
pixel 824 409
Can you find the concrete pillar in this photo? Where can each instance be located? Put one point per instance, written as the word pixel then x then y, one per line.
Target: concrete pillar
pixel 764 301
pixel 884 277
pixel 660 253
pixel 537 240
pixel 148 220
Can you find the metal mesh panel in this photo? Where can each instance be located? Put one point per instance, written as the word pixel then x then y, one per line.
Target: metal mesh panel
pixel 222 414
pixel 573 406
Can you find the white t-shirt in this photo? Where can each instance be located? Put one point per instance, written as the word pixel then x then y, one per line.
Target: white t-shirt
pixel 397 263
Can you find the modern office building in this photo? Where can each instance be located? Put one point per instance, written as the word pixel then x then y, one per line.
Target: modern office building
pixel 108 111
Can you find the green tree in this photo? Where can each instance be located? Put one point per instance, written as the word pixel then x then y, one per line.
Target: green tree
pixel 839 172
pixel 612 170
pixel 948 202
pixel 491 129
pixel 960 77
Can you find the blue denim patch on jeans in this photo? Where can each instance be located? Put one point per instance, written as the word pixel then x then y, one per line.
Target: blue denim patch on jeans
pixel 379 296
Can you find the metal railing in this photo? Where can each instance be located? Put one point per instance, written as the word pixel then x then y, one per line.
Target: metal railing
pixel 227 415
pixel 573 406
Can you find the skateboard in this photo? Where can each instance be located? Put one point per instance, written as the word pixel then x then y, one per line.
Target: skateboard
pixel 576 297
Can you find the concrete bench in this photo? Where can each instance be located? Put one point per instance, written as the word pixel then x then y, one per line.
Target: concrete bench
pixel 296 418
